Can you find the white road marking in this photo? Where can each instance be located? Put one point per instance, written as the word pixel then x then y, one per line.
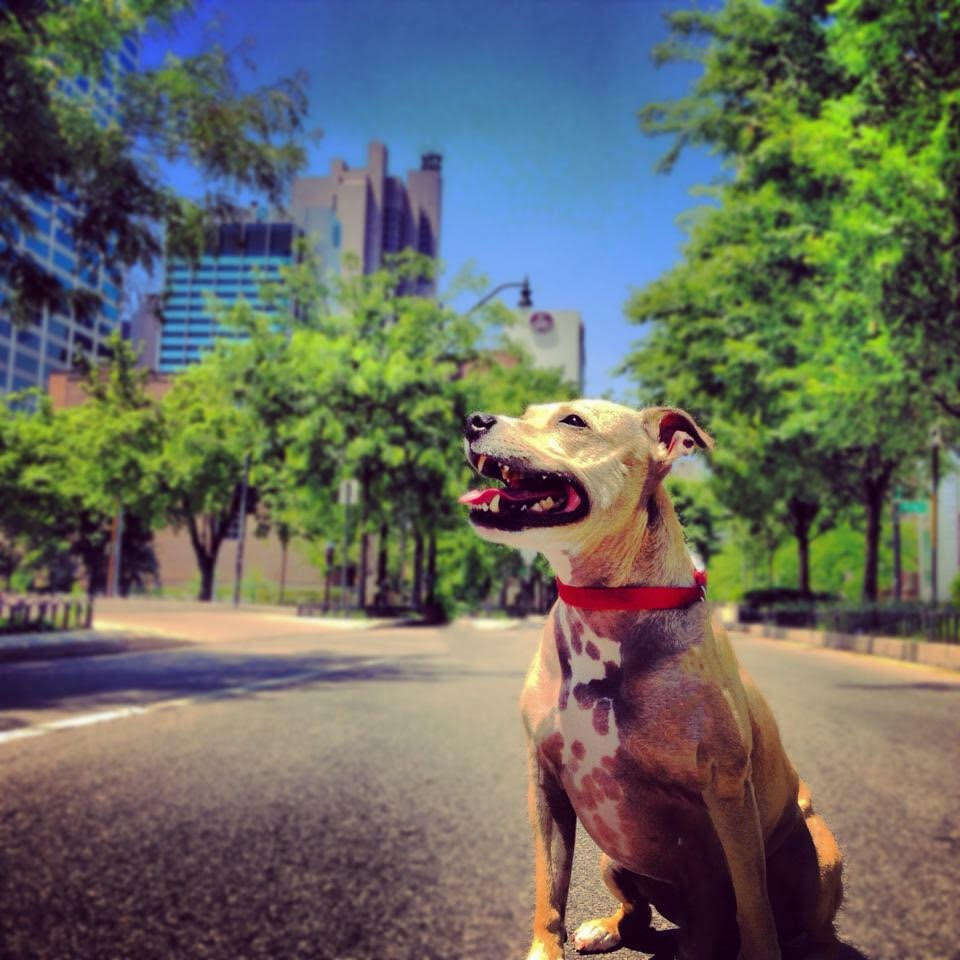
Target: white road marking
pixel 120 713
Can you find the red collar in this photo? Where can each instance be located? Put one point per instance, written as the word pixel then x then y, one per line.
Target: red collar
pixel 634 598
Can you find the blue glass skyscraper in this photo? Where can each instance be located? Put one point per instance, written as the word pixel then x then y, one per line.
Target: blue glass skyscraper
pixel 238 258
pixel 53 338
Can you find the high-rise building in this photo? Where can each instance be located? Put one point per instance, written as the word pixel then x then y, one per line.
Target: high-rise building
pixel 238 259
pixel 54 337
pixel 145 330
pixel 369 213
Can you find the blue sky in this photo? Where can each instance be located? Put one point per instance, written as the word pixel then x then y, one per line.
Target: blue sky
pixel 533 105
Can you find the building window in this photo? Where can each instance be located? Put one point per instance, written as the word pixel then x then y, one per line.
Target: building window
pixel 64 262
pixel 26 363
pixel 42 224
pixel 28 339
pixel 56 352
pixel 36 246
pixel 58 329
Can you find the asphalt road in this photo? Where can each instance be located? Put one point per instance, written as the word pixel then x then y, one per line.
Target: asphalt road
pixel 363 796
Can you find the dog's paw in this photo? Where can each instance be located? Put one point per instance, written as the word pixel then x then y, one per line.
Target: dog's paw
pixel 597 936
pixel 545 951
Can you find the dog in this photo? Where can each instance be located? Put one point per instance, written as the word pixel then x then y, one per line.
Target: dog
pixel 639 721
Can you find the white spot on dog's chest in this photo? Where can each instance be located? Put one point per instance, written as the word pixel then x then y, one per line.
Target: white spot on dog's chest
pixel 586 717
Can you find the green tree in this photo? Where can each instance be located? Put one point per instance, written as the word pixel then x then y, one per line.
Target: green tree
pixel 207 437
pixel 784 355
pixel 189 109
pixel 369 380
pixel 66 473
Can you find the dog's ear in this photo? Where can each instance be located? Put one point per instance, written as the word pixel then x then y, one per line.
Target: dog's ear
pixel 673 433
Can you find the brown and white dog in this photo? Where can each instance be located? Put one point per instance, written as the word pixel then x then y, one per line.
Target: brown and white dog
pixel 639 721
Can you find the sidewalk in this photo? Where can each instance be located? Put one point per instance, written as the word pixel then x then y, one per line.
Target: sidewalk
pixel 944 655
pixel 143 624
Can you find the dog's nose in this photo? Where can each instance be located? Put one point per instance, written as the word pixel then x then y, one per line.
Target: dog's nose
pixel 477 424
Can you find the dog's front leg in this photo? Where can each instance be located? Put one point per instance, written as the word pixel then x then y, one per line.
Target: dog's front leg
pixel 733 811
pixel 554 831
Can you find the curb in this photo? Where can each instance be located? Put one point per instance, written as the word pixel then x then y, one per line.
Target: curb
pixel 928 653
pixel 22 647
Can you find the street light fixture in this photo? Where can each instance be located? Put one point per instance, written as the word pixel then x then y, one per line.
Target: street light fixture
pixel 524 303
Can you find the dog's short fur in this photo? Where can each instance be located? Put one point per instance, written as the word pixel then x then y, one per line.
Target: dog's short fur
pixel 641 724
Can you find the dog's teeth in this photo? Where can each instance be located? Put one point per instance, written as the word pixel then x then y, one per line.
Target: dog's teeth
pixel 484 506
pixel 495 504
pixel 537 508
pixel 546 504
pixel 523 506
pixel 504 471
pixel 481 460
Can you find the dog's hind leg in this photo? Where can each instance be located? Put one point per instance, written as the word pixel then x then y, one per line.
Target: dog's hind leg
pixel 804 880
pixel 631 918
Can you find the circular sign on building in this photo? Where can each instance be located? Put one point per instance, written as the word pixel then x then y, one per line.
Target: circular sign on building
pixel 541 321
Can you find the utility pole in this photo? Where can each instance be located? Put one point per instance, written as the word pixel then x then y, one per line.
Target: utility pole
pixel 897 568
pixel 935 442
pixel 241 530
pixel 116 555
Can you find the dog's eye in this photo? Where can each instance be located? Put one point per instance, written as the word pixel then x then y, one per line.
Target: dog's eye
pixel 573 421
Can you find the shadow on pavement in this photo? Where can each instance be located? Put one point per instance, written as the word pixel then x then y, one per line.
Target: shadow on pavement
pixel 662 945
pixel 929 685
pixel 96 646
pixel 191 670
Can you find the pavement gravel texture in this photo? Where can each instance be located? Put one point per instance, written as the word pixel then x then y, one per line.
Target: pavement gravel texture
pixel 373 806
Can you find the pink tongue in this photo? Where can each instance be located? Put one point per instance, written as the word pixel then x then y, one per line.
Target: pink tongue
pixel 474 497
pixel 479 496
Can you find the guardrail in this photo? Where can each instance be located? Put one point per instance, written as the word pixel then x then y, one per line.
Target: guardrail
pixel 31 615
pixel 939 624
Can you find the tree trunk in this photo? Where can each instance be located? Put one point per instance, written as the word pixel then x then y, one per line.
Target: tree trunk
pixel 873 503
pixel 206 553
pixel 431 568
pixel 207 566
pixel 803 561
pixel 284 545
pixel 802 515
pixel 383 565
pixel 362 575
pixel 417 570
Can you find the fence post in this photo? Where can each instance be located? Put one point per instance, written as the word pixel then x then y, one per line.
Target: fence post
pixel 88 622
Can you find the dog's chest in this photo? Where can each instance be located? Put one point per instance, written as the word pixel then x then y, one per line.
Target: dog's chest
pixel 592 734
pixel 586 735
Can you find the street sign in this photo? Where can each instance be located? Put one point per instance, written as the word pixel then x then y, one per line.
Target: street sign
pixel 912 506
pixel 541 322
pixel 349 493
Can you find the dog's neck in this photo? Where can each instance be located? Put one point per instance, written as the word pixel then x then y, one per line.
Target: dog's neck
pixel 649 550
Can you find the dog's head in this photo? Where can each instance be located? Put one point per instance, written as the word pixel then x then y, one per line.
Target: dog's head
pixel 571 473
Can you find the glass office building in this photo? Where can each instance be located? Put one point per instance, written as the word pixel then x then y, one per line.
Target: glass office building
pixel 52 338
pixel 238 258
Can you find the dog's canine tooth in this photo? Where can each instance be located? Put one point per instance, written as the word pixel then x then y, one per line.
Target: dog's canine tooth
pixel 547 504
pixel 495 504
pixel 537 508
pixel 504 471
pixel 481 460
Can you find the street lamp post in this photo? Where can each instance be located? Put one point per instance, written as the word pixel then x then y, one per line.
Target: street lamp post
pixel 525 301
pixel 936 441
pixel 241 530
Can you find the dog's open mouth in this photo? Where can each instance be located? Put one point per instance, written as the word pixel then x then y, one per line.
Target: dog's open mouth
pixel 528 498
